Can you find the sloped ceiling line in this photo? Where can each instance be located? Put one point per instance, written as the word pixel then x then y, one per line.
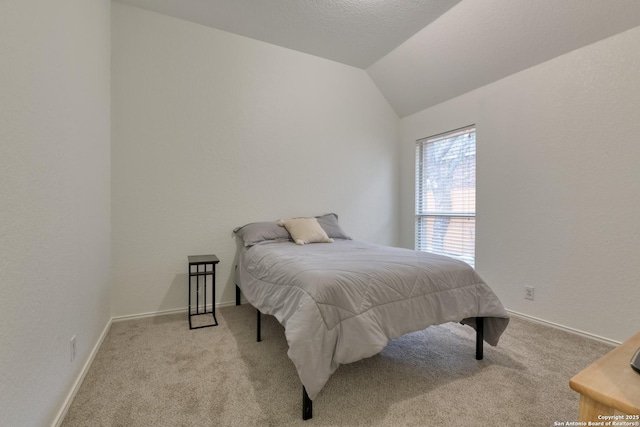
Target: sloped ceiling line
pixel 419 53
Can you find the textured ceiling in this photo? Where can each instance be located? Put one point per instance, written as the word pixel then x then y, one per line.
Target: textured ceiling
pixel 479 42
pixel 418 52
pixel 353 32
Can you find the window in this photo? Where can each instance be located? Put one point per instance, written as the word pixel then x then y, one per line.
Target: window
pixel 446 194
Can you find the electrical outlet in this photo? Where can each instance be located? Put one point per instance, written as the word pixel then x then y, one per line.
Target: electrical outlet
pixel 528 292
pixel 73 347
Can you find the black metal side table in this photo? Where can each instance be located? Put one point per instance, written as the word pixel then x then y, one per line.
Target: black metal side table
pixel 208 264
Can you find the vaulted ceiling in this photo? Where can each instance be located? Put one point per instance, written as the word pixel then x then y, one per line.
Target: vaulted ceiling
pixel 418 52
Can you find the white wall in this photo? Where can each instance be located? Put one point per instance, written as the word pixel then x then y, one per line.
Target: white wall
pixel 54 199
pixel 212 130
pixel 558 179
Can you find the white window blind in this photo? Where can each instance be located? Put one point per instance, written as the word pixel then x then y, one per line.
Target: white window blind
pixel 446 194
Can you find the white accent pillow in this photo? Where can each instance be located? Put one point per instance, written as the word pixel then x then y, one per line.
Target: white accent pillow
pixel 305 230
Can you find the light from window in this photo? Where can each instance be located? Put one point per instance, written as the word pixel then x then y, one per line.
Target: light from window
pixel 446 194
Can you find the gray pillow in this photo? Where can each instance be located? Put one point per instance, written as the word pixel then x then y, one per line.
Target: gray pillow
pixel 329 223
pixel 257 232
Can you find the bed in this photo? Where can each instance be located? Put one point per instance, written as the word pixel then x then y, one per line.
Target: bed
pixel 341 300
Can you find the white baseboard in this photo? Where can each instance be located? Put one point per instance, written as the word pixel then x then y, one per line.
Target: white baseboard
pixel 83 372
pixel 171 311
pixel 150 314
pixel 564 328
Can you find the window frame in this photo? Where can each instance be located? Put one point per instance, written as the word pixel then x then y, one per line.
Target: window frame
pixel 424 212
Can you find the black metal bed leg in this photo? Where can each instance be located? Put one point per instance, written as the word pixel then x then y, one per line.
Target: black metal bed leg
pixel 237 295
pixel 258 337
pixel 479 337
pixel 307 405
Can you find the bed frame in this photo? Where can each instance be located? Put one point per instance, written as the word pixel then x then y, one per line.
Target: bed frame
pixel 307 404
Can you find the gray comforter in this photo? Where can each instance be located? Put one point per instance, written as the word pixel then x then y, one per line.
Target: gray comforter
pixel 341 302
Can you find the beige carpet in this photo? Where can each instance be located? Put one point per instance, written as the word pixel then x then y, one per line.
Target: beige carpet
pixel 157 372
